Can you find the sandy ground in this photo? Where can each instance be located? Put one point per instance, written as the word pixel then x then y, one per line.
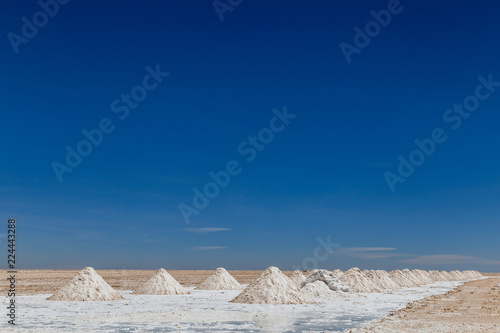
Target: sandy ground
pixel 471 307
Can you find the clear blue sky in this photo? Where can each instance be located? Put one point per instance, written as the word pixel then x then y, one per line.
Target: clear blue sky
pixel 323 175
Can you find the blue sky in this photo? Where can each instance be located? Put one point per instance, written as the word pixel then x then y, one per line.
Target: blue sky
pixel 321 177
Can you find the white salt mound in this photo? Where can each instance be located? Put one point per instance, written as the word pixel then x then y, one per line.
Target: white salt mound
pixel 457 275
pixel 381 279
pixel 409 274
pixel 319 289
pixel 470 274
pixel 338 273
pixel 447 275
pixel 220 280
pixel 272 287
pixel 87 285
pixel 401 279
pixel 358 282
pixel 422 276
pixel 437 276
pixel 161 283
pixel 297 277
pixel 327 277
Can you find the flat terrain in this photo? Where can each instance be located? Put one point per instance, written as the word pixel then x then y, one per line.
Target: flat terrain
pixel 30 282
pixel 471 307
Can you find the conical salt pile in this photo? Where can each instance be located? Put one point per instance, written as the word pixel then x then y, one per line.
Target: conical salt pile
pixel 161 283
pixel 338 273
pixel 416 281
pixel 328 278
pixel 468 275
pixel 220 280
pixel 272 287
pixel 87 285
pixel 401 279
pixel 458 276
pixel 358 282
pixel 437 276
pixel 472 274
pixel 319 289
pixel 422 276
pixel 447 275
pixel 381 279
pixel 297 277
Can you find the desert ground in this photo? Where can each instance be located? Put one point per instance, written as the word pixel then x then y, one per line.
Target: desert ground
pixel 472 306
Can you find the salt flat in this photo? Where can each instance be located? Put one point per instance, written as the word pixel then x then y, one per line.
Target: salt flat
pixel 210 311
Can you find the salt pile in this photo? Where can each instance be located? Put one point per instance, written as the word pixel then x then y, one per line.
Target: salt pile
pixel 457 275
pixel 415 280
pixel 358 282
pixel 468 275
pixel 381 279
pixel 332 282
pixel 436 276
pixel 401 279
pixel 422 276
pixel 338 273
pixel 220 280
pixel 297 277
pixel 161 283
pixel 319 289
pixel 447 275
pixel 472 274
pixel 272 287
pixel 87 285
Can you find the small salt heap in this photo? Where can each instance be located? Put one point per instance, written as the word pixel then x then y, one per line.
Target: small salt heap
pixel 161 283
pixel 422 276
pixel 319 289
pixel 87 285
pixel 381 279
pixel 329 278
pixel 297 277
pixel 358 282
pixel 401 279
pixel 435 276
pixel 272 287
pixel 220 280
pixel 414 279
pixel 338 273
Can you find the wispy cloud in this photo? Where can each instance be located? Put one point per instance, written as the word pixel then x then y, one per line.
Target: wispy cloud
pixel 447 259
pixel 368 252
pixel 206 248
pixel 365 249
pixel 205 230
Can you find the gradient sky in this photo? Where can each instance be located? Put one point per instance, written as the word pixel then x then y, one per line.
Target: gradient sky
pixel 321 177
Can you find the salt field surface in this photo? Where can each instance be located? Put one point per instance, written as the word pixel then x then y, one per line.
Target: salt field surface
pixel 210 311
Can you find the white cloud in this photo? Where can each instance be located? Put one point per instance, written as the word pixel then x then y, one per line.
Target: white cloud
pixel 206 248
pixel 205 230
pixel 368 252
pixel 365 249
pixel 443 259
